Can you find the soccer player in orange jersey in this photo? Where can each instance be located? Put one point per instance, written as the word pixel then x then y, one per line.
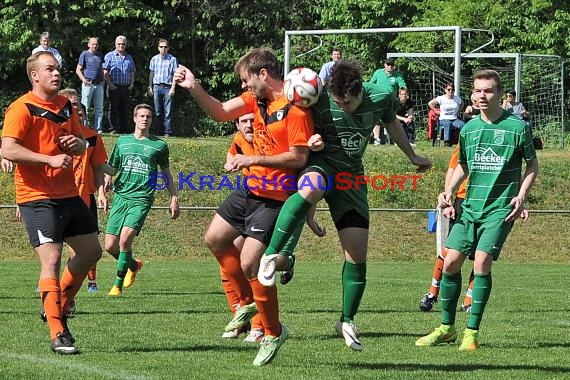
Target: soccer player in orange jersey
pixel 41 135
pixel 281 132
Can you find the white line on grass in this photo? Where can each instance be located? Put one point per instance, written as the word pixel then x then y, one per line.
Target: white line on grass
pixel 61 363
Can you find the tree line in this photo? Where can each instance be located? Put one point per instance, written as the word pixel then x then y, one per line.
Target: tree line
pixel 209 36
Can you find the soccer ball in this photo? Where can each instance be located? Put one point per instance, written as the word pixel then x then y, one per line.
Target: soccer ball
pixel 302 87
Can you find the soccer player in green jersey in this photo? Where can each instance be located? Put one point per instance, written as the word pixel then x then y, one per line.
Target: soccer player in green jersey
pixel 136 159
pixel 344 116
pixel 492 148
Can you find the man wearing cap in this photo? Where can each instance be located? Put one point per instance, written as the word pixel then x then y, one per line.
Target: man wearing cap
pixel 391 81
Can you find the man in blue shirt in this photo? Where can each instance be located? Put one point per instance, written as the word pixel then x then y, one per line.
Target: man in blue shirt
pixel 119 70
pixel 90 72
pixel 161 87
pixel 326 69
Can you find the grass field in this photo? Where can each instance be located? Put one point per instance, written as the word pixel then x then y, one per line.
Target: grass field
pixel 168 326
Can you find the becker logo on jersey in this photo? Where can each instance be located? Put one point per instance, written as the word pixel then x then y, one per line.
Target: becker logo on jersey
pixel 487 159
pixel 135 164
pixel 352 143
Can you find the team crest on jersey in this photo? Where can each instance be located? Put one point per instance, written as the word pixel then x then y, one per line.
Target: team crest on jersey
pixel 499 137
pixel 280 114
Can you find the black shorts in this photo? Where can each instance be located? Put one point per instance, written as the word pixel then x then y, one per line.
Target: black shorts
pixel 53 220
pixel 250 214
pixel 93 210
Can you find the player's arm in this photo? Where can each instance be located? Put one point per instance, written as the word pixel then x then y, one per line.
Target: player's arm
pixel 174 207
pixel 459 173
pixel 397 134
pixel 295 158
pixel 99 178
pixel 432 104
pixel 218 111
pixel 529 177
pixel 12 150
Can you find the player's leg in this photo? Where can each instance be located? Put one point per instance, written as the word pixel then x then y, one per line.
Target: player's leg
pixel 92 274
pixel 430 298
pixel 125 259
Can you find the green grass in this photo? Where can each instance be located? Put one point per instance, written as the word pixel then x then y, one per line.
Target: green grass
pixel 169 325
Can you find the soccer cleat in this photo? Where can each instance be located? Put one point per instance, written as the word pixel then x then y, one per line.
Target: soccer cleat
pixel 287 275
pixel 470 340
pixel 442 334
pixel 130 276
pixel 254 336
pixel 62 344
pixel 115 291
pixel 242 316
pixel 269 347
pixel 92 287
pixel 350 333
pixel 266 274
pixel 235 333
pixel 427 301
pixel 43 315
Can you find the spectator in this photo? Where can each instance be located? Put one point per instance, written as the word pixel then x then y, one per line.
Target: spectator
pixel 161 87
pixel 44 45
pixel 119 70
pixel 516 108
pixel 405 113
pixel 90 71
pixel 325 72
pixel 390 80
pixel 471 111
pixel 449 108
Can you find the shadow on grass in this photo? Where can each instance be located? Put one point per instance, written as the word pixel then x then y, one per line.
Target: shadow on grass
pixel 414 367
pixel 191 348
pixel 147 312
pixel 170 293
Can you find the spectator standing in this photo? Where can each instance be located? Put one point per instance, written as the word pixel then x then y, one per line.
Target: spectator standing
pixel 90 71
pixel 391 81
pixel 326 69
pixel 161 87
pixel 45 41
pixel 119 71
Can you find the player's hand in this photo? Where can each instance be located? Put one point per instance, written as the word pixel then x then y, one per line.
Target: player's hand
pixel 228 167
pixel 7 166
pixel 316 143
pixel 102 200
pixel 184 78
pixel 449 212
pixel 423 164
pixel 524 215
pixel 517 203
pixel 62 161
pixel 444 199
pixel 241 161
pixel 174 207
pixel 316 228
pixel 71 144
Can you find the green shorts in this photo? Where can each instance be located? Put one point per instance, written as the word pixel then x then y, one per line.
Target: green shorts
pixel 125 213
pixel 489 237
pixel 343 196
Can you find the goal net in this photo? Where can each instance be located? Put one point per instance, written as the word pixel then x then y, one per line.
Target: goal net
pixel 536 79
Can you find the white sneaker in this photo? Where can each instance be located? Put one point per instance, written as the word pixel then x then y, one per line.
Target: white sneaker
pixel 231 334
pixel 350 333
pixel 254 336
pixel 266 273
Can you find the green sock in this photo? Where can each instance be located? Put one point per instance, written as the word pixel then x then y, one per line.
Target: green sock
pixel 449 292
pixel 291 244
pixel 292 213
pixel 481 290
pixel 353 284
pixel 122 266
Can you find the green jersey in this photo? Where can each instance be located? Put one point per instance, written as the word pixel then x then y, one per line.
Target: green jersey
pixel 135 161
pixel 493 153
pixel 391 83
pixel 346 135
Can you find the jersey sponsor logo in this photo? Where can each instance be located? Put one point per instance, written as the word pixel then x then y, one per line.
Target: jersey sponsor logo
pixel 135 164
pixel 487 159
pixel 352 143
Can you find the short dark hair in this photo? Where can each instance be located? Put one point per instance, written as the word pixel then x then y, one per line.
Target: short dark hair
pixel 257 59
pixel 346 78
pixel 512 92
pixel 489 74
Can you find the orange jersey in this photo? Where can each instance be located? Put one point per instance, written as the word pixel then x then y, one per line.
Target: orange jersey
pixel 37 125
pixel 277 126
pixel 453 162
pixel 241 146
pixel 83 165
